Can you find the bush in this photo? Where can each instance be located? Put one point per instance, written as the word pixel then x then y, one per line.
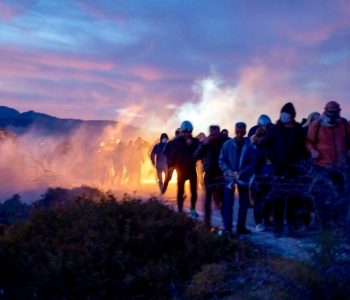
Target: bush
pixel 106 250
pixel 13 210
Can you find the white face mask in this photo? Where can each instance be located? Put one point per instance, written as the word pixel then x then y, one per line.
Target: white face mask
pixel 164 140
pixel 285 117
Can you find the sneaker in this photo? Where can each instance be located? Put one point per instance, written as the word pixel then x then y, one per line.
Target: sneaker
pixel 260 227
pixel 194 214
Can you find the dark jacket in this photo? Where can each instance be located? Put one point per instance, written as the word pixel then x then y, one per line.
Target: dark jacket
pixel 180 156
pixel 158 157
pixel 209 153
pixel 286 146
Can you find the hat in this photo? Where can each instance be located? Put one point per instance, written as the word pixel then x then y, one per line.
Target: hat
pixel 289 109
pixel 164 135
pixel 264 120
pixel 186 126
pixel 332 106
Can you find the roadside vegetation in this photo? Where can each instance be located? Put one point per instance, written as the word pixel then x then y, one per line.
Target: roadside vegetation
pixel 83 244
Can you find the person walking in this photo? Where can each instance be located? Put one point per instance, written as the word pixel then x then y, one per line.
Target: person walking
pixel 159 160
pixel 237 162
pixel 181 157
pixel 285 143
pixel 209 152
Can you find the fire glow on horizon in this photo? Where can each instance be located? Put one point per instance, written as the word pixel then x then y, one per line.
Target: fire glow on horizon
pixel 32 162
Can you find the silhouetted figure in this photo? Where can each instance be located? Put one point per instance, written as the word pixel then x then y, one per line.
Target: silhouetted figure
pixel 263 120
pixel 312 117
pixel 286 149
pixel 168 153
pixel 159 160
pixel 225 134
pixel 261 185
pixel 140 157
pixel 181 157
pixel 209 152
pixel 119 163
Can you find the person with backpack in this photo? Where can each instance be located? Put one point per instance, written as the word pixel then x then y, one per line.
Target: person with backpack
pixel 159 160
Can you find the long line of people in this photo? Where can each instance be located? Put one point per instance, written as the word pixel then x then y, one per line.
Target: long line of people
pixel 277 167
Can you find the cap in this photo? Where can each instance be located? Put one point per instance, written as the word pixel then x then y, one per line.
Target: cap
pixel 164 135
pixel 332 106
pixel 264 120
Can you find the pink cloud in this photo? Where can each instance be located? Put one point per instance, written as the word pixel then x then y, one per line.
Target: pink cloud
pixel 147 72
pixel 6 11
pixel 99 12
pixel 11 9
pixel 319 32
pixel 71 62
pixel 42 59
pixel 311 36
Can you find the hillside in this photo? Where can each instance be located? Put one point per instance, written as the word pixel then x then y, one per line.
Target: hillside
pixel 21 123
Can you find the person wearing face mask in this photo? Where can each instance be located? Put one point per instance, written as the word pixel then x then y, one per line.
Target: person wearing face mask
pixel 285 144
pixel 328 142
pixel 329 137
pixel 159 160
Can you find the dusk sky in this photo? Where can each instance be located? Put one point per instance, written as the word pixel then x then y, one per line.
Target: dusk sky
pixel 154 63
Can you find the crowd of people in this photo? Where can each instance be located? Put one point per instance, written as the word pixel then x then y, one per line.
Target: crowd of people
pixel 287 171
pixel 121 162
pixel 279 169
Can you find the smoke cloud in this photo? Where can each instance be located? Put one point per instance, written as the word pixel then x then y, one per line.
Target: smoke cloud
pixel 118 158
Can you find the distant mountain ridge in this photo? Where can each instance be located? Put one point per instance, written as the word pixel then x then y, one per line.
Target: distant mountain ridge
pixel 21 123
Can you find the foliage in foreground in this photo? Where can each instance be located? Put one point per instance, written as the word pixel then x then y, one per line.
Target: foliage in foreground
pixel 106 250
pixel 72 247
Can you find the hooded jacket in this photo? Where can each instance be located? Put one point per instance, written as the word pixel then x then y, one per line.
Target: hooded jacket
pixel 285 146
pixel 332 142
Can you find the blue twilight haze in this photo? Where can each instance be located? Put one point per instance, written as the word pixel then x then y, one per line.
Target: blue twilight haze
pixel 164 60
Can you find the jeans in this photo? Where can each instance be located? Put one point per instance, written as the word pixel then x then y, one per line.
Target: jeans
pixel 243 195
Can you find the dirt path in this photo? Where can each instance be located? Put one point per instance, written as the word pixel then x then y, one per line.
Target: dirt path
pixel 298 247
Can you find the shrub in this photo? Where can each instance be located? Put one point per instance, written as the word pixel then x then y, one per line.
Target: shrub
pixel 106 250
pixel 13 210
